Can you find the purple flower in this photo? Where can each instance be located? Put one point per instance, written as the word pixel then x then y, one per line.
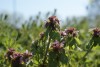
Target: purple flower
pixel 71 31
pixel 17 60
pixel 54 19
pixel 96 32
pixel 52 23
pixel 57 46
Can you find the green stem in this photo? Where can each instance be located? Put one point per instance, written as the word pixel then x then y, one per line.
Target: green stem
pixel 45 56
pixel 69 55
pixel 87 52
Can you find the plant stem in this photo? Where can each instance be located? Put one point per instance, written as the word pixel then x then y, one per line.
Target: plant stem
pixel 87 52
pixel 45 56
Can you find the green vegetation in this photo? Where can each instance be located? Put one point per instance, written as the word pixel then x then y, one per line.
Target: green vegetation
pixel 74 44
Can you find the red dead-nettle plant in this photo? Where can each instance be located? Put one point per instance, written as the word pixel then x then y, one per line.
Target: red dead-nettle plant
pixel 95 40
pixel 18 59
pixel 50 47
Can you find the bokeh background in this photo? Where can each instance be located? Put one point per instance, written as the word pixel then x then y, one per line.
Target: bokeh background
pixel 23 10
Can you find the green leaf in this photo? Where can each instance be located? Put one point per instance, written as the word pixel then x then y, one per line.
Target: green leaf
pixel 53 60
pixel 63 58
pixel 78 41
pixel 55 35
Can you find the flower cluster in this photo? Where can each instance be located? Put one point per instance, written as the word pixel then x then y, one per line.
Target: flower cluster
pixel 71 31
pixel 16 58
pixel 96 32
pixel 52 23
pixel 57 46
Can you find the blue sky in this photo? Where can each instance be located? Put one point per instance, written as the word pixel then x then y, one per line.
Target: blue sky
pixel 65 8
